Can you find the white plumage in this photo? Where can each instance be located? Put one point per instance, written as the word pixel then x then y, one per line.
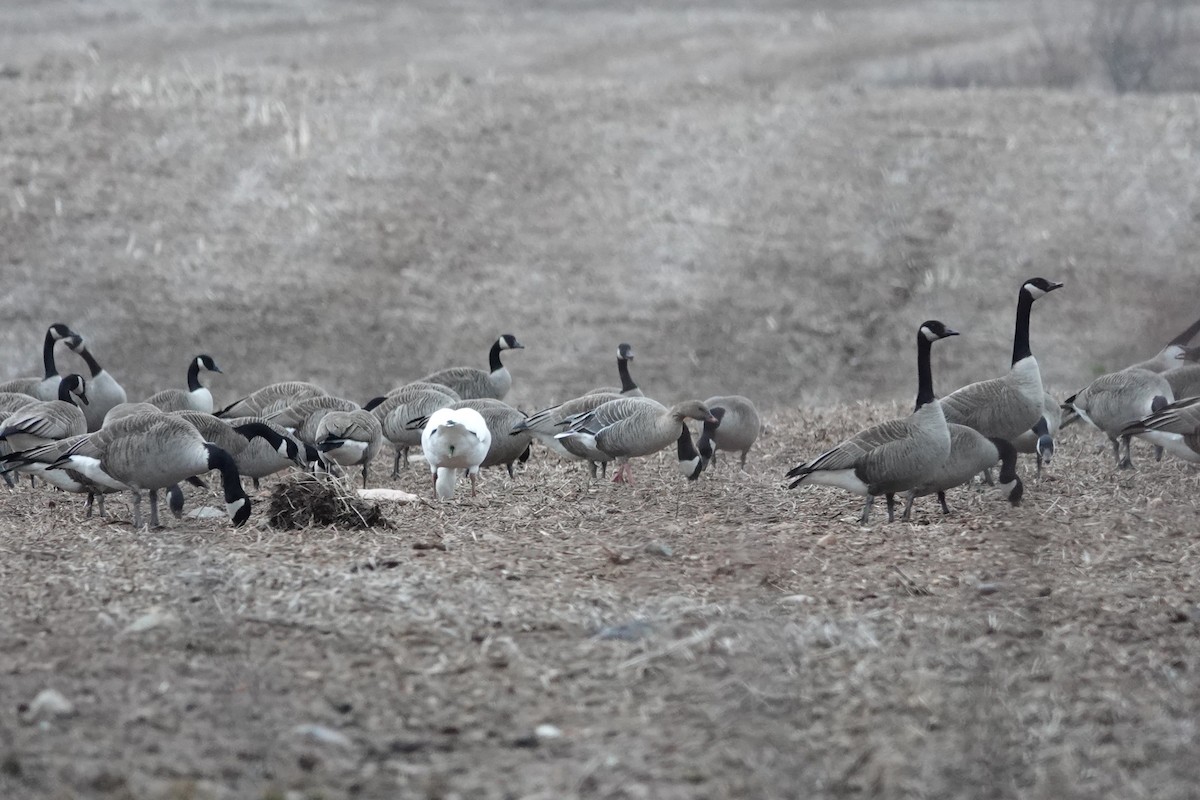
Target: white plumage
pixel 454 439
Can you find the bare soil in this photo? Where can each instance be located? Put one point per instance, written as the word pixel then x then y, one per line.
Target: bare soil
pixel 759 198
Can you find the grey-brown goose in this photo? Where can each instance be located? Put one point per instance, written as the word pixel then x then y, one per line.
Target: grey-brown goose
pixel 545 425
pixel 1007 406
pixel 970 454
pixel 1175 427
pixel 303 417
pixel 1039 440
pixel 472 383
pixel 128 410
pixel 627 388
pixel 45 387
pixel 505 447
pixel 1116 400
pixel 271 398
pixel 104 391
pixel 46 421
pixel 260 459
pixel 144 452
pixel 736 428
pixel 630 427
pixel 197 397
pixel 893 456
pixel 404 404
pixel 351 438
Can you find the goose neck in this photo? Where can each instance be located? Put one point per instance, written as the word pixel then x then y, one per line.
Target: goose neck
pixel 193 376
pixel 924 371
pixel 48 354
pixel 231 481
pixel 1188 334
pixel 494 357
pixel 1021 331
pixel 627 384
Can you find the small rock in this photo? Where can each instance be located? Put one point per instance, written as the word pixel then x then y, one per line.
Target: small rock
pixel 154 618
pixel 988 588
pixel 205 512
pixel 547 731
pixel 391 495
pixel 659 549
pixel 48 704
pixel 322 735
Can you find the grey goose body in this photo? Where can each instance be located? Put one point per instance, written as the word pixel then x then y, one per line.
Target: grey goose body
pixel 505 447
pixel 197 397
pixel 44 421
pixel 403 405
pixel 1174 427
pixel 736 428
pixel 1114 401
pixel 472 383
pixel 970 453
pixel 349 437
pixel 271 398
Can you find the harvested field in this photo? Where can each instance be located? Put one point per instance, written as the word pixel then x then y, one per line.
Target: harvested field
pixel 764 198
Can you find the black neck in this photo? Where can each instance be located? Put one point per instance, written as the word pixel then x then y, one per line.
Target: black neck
pixel 1186 336
pixel 92 363
pixel 375 402
pixel 627 384
pixel 494 357
pixel 48 355
pixel 64 391
pixel 252 430
pixel 194 376
pixel 231 481
pixel 687 450
pixel 924 372
pixel 1008 460
pixel 705 444
pixel 1021 332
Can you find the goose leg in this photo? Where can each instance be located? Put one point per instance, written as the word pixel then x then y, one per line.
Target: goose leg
pixel 435 497
pixel 100 505
pixel 137 511
pixel 866 512
pixel 891 506
pixel 942 500
pixel 744 454
pixel 154 525
pixel 1158 453
pixel 987 477
pixel 474 478
pixel 908 506
pixel 255 482
pixel 396 464
pixel 88 508
pixel 603 469
pixel 510 469
pixel 1038 476
pixel 1116 445
pixel 592 465
pixel 1127 461
pixel 365 465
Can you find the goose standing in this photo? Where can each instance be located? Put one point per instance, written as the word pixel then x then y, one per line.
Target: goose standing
pixel 104 391
pixel 145 452
pixel 46 387
pixel 471 383
pixel 454 439
pixel 1116 400
pixel 736 427
pixel 350 438
pixel 1175 427
pixel 545 425
pixel 630 427
pixel 970 454
pixel 508 445
pixel 894 456
pixel 1006 407
pixel 197 397
pixel 404 404
pixel 45 421
pixel 271 398
pixel 627 388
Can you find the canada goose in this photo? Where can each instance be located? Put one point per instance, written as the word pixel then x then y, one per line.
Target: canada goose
pixel 507 446
pixel 46 387
pixel 303 416
pixel 454 439
pixel 1039 440
pixel 629 427
pixel 689 460
pixel 271 398
pixel 893 456
pixel 349 437
pixel 128 410
pixel 260 459
pixel 970 453
pixel 144 452
pixel 1118 399
pixel 472 383
pixel 196 398
pixel 1007 406
pixel 104 391
pixel 546 424
pixel 398 407
pixel 627 388
pixel 1168 357
pixel 736 427
pixel 1175 428
pixel 46 421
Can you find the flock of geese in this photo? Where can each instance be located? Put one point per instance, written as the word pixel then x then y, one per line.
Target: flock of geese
pixel 80 433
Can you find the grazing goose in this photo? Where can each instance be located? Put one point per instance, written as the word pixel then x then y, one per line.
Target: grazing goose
pixel 47 421
pixel 1007 406
pixel 271 398
pixel 46 387
pixel 303 417
pixel 104 391
pixel 454 439
pixel 1168 357
pixel 508 445
pixel 260 459
pixel 690 462
pixel 472 383
pixel 894 456
pixel 1175 427
pixel 1118 399
pixel 349 437
pixel 629 427
pixel 627 388
pixel 196 398
pixel 1039 440
pixel 546 424
pixel 144 452
pixel 970 454
pixel 736 427
pixel 401 406
pixel 128 410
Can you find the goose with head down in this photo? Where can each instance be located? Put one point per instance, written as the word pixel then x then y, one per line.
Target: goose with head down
pixel 454 439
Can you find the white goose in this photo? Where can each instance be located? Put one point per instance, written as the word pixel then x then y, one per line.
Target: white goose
pixel 454 439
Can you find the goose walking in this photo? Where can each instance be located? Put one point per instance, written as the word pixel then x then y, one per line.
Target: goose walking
pixel 894 456
pixel 629 427
pixel 454 439
pixel 545 425
pixel 197 397
pixel 471 383
pixel 970 454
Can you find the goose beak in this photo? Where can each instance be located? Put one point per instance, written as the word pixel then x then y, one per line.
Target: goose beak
pixel 1054 286
pixel 951 332
pixel 711 420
